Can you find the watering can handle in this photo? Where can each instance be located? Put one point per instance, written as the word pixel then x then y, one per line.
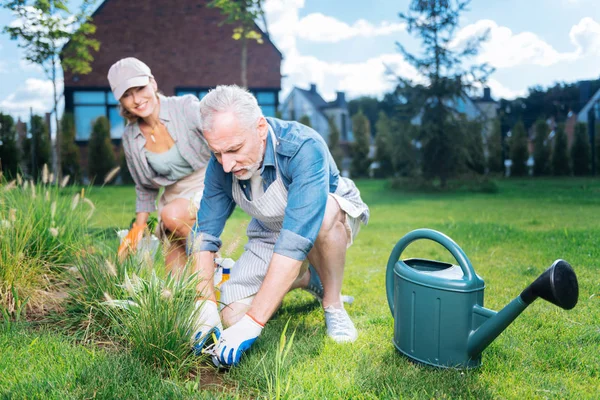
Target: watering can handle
pixel 449 244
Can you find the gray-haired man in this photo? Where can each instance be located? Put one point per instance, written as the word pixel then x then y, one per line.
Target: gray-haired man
pixel 282 174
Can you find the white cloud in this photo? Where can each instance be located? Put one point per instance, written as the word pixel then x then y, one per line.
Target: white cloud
pixel 34 93
pixel 27 66
pixel 586 37
pixel 317 27
pixel 499 91
pixel 505 49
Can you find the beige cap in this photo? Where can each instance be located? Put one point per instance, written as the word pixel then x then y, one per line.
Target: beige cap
pixel 127 73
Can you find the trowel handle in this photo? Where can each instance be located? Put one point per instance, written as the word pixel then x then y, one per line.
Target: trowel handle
pixel 449 244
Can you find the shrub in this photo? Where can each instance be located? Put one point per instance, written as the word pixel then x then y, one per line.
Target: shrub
pixel 560 155
pixel 384 146
pixel 518 150
pixel 9 150
pixel 101 158
pixel 305 120
pixel 541 151
pixel 474 157
pixel 334 144
pixel 126 177
pixel 36 150
pixel 495 162
pixel 580 151
pixel 360 149
pixel 69 150
pixel 404 154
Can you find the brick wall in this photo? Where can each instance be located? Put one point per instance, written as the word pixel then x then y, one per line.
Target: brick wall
pixel 181 41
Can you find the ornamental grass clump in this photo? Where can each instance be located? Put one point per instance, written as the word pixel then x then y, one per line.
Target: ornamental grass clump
pixel 41 230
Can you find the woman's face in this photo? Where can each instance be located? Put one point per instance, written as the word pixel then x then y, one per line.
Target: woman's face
pixel 141 101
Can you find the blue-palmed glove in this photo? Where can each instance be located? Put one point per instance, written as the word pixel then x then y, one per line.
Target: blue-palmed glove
pixel 206 323
pixel 236 339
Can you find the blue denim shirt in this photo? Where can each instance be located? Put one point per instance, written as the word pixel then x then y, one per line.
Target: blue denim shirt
pixel 308 172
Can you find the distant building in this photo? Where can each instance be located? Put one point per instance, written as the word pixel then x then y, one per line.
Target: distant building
pixel 301 102
pixel 185 45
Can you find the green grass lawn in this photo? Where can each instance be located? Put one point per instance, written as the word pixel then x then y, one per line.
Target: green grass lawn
pixel 510 237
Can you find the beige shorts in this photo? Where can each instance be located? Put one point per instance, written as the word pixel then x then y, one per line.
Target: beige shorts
pixel 190 188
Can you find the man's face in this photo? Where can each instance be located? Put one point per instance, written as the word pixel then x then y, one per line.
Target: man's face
pixel 239 149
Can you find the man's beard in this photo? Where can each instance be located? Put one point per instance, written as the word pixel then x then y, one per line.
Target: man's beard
pixel 252 168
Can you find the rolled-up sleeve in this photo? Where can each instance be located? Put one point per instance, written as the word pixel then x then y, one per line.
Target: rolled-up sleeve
pixel 307 200
pixel 215 208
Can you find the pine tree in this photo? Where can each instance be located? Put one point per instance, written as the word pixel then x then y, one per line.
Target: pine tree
pixel 10 154
pixel 580 151
pixel 494 143
pixel 474 157
pixel 101 158
pixel 384 146
pixel 305 120
pixel 126 177
pixel 518 150
pixel 597 148
pixel 69 149
pixel 560 155
pixel 541 151
pixel 39 145
pixel 360 148
pixel 404 154
pixel 334 144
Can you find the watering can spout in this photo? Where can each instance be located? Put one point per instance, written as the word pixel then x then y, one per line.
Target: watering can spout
pixel 558 285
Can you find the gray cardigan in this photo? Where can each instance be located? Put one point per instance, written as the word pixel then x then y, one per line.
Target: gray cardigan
pixel 181 116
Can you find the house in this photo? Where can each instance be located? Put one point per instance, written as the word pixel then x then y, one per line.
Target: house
pixel 188 49
pixel 302 102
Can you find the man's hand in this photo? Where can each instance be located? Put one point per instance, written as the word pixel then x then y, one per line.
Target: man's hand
pixel 130 242
pixel 236 339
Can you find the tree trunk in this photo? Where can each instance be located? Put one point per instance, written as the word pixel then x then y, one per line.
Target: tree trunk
pixel 244 61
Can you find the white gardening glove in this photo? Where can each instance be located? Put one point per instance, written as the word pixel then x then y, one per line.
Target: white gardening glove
pixel 235 340
pixel 207 322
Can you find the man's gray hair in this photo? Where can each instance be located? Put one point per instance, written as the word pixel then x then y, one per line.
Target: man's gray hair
pixel 230 98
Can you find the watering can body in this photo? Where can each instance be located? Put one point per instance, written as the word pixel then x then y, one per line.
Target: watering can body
pixel 439 317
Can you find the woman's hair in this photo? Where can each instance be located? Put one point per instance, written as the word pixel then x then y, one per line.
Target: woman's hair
pixel 230 98
pixel 130 117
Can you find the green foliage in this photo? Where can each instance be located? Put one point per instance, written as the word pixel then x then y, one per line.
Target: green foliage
pixel 277 388
pixel 494 143
pixel 597 144
pixel 101 157
pixel 39 145
pixel 360 149
pixel 404 154
pixel 474 157
pixel 126 177
pixel 10 154
pixel 519 153
pixel 384 146
pixel 334 143
pixel 69 150
pixel 580 151
pixel 541 151
pixel 435 22
pixel 42 227
pixel 369 106
pixel 305 120
pixel 560 155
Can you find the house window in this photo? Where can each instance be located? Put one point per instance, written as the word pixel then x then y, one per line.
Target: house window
pixel 267 100
pixel 89 105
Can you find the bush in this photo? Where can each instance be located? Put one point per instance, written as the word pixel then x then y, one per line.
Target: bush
pixel 384 146
pixel 560 155
pixel 69 149
pixel 474 157
pixel 495 162
pixel 305 120
pixel 360 149
pixel 126 177
pixel 101 158
pixel 10 154
pixel 334 144
pixel 580 151
pixel 518 150
pixel 38 145
pixel 404 154
pixel 541 151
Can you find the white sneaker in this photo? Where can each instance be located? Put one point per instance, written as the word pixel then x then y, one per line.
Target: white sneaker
pixel 207 322
pixel 339 325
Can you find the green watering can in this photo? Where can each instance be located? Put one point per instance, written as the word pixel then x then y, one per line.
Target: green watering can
pixel 439 318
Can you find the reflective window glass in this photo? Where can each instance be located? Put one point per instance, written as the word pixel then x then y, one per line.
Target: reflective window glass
pixel 84 117
pixel 265 98
pixel 202 94
pixel 110 97
pixel 89 97
pixel 184 92
pixel 117 123
pixel 268 111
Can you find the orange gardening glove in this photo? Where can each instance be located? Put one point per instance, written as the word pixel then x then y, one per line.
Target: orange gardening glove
pixel 130 242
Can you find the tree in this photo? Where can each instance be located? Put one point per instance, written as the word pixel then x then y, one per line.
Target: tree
pixel 560 155
pixel 9 149
pixel 519 153
pixel 474 157
pixel 305 120
pixel 383 146
pixel 37 149
pixel 597 144
pixel 580 151
pixel 42 28
pixel 101 158
pixel 404 154
pixel 541 150
pixel 370 108
pixel 494 143
pixel 334 144
pixel 435 21
pixel 69 150
pixel 243 14
pixel 360 149
pixel 126 177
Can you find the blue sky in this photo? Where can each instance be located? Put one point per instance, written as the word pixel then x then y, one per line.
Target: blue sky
pixel 342 45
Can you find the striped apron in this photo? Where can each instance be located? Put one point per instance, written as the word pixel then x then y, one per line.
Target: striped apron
pixel 267 212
